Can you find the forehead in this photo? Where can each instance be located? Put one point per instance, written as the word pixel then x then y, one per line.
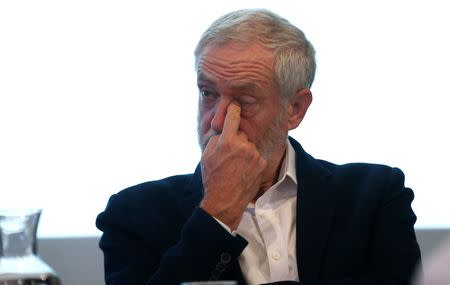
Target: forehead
pixel 238 84
pixel 241 66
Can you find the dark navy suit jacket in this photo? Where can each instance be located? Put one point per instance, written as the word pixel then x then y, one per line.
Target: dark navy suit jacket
pixel 354 226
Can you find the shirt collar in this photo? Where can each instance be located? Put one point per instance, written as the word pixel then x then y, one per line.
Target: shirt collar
pixel 285 187
pixel 288 168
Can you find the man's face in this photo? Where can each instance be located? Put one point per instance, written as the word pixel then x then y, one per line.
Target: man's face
pixel 244 75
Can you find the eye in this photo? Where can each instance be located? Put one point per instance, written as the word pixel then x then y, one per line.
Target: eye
pixel 205 93
pixel 207 96
pixel 245 104
pixel 249 106
pixel 247 101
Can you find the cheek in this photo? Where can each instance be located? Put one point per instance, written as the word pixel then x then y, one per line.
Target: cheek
pixel 255 127
pixel 250 110
pixel 204 118
pixel 250 129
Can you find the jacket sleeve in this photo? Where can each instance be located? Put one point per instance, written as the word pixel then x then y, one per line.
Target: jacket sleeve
pixel 394 252
pixel 203 251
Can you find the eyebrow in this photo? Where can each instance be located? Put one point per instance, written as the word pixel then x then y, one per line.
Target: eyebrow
pixel 240 85
pixel 243 85
pixel 203 78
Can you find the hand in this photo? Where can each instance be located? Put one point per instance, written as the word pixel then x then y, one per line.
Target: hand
pixel 231 171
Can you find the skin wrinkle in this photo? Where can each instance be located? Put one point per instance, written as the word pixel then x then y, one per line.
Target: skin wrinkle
pixel 244 86
pixel 238 84
pixel 228 76
pixel 255 69
pixel 243 124
pixel 241 85
pixel 242 91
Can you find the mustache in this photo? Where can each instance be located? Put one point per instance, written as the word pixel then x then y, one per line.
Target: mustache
pixel 203 139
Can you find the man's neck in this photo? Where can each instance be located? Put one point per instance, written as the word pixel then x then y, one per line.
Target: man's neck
pixel 272 172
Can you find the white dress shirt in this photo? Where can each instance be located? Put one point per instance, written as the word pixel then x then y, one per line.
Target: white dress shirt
pixel 269 226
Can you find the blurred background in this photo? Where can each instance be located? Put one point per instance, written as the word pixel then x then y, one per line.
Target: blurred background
pixel 96 96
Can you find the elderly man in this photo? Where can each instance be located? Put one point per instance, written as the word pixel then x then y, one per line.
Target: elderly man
pixel 258 208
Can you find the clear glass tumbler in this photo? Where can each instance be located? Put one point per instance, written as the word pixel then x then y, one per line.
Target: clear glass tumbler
pixel 19 262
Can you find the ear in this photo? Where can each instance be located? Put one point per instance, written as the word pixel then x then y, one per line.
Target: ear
pixel 297 107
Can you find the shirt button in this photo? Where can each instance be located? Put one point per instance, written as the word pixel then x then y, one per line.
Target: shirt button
pixel 275 255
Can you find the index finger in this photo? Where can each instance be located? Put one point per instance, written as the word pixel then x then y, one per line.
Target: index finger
pixel 232 120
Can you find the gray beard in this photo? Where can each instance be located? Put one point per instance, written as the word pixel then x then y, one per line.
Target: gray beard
pixel 272 139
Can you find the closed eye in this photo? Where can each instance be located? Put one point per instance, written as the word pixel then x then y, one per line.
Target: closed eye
pixel 247 100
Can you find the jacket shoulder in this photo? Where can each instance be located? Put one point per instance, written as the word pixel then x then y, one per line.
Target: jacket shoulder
pixel 161 205
pixel 375 184
pixel 172 186
pixel 360 169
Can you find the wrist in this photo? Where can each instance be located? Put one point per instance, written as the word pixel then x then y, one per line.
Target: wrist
pixel 228 217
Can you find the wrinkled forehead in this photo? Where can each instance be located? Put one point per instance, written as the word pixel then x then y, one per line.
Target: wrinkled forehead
pixel 239 46
pixel 241 63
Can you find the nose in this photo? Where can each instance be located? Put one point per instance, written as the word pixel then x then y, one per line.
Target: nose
pixel 218 116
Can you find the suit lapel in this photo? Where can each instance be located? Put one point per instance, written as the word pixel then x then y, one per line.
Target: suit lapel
pixel 315 211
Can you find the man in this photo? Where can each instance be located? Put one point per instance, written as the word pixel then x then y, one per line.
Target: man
pixel 258 208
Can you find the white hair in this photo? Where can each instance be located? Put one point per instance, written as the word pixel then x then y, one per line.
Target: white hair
pixel 294 55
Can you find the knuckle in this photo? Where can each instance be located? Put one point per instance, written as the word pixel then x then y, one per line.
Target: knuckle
pixel 225 145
